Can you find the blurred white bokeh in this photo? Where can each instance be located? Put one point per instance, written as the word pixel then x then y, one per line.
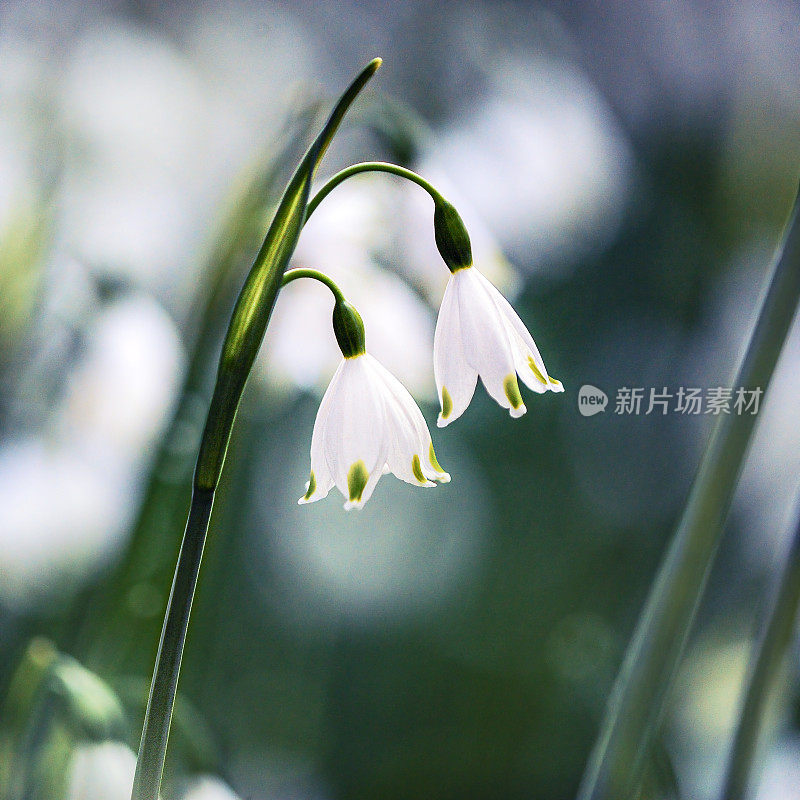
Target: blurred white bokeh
pixel 134 115
pixel 67 496
pixel 780 777
pixel 407 548
pixel 102 772
pixel 542 160
pixel 208 787
pixel 343 239
pixel 708 693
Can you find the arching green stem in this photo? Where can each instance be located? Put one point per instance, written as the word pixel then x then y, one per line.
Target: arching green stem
pixel 314 274
pixel 348 327
pixel 450 233
pixel 371 166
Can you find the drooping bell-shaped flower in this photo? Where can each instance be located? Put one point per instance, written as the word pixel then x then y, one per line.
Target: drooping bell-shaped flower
pixel 367 424
pixel 478 333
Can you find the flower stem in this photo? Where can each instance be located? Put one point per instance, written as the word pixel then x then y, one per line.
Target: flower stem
pixel 153 747
pixel 294 274
pixel 767 658
pixel 370 166
pixel 642 687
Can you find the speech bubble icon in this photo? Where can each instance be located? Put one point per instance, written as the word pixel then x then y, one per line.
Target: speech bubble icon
pixel 591 400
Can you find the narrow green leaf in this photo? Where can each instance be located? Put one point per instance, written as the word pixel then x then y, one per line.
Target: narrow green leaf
pixel 53 704
pixel 768 656
pixel 254 306
pixel 640 693
pixel 23 696
pixel 144 569
pixel 660 780
pixel 88 705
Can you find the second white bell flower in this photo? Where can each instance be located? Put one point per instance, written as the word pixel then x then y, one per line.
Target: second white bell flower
pixel 367 425
pixel 478 333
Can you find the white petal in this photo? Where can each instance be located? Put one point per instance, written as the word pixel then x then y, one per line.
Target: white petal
pixel 355 433
pixel 487 345
pixel 409 455
pixel 320 473
pixel 527 359
pixel 455 378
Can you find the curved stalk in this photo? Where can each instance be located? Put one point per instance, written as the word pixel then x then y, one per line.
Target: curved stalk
pixel 639 696
pixel 768 656
pixel 370 166
pixel 314 274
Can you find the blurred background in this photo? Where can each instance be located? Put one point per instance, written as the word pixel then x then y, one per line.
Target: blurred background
pixel 625 171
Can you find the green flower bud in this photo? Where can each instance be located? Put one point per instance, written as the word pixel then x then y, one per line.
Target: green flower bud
pixel 451 235
pixel 349 329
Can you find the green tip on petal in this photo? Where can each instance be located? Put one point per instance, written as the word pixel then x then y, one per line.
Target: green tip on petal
pixel 537 372
pixel 416 468
pixel 447 403
pixel 432 458
pixel 312 486
pixel 357 478
pixel 511 389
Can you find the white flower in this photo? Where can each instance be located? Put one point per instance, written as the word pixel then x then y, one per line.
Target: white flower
pixel 479 333
pixel 367 425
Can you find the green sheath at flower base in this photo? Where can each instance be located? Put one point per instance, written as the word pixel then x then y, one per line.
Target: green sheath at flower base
pixel 451 236
pixel 348 328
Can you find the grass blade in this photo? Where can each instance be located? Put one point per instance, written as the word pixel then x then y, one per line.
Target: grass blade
pixel 768 656
pixel 640 692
